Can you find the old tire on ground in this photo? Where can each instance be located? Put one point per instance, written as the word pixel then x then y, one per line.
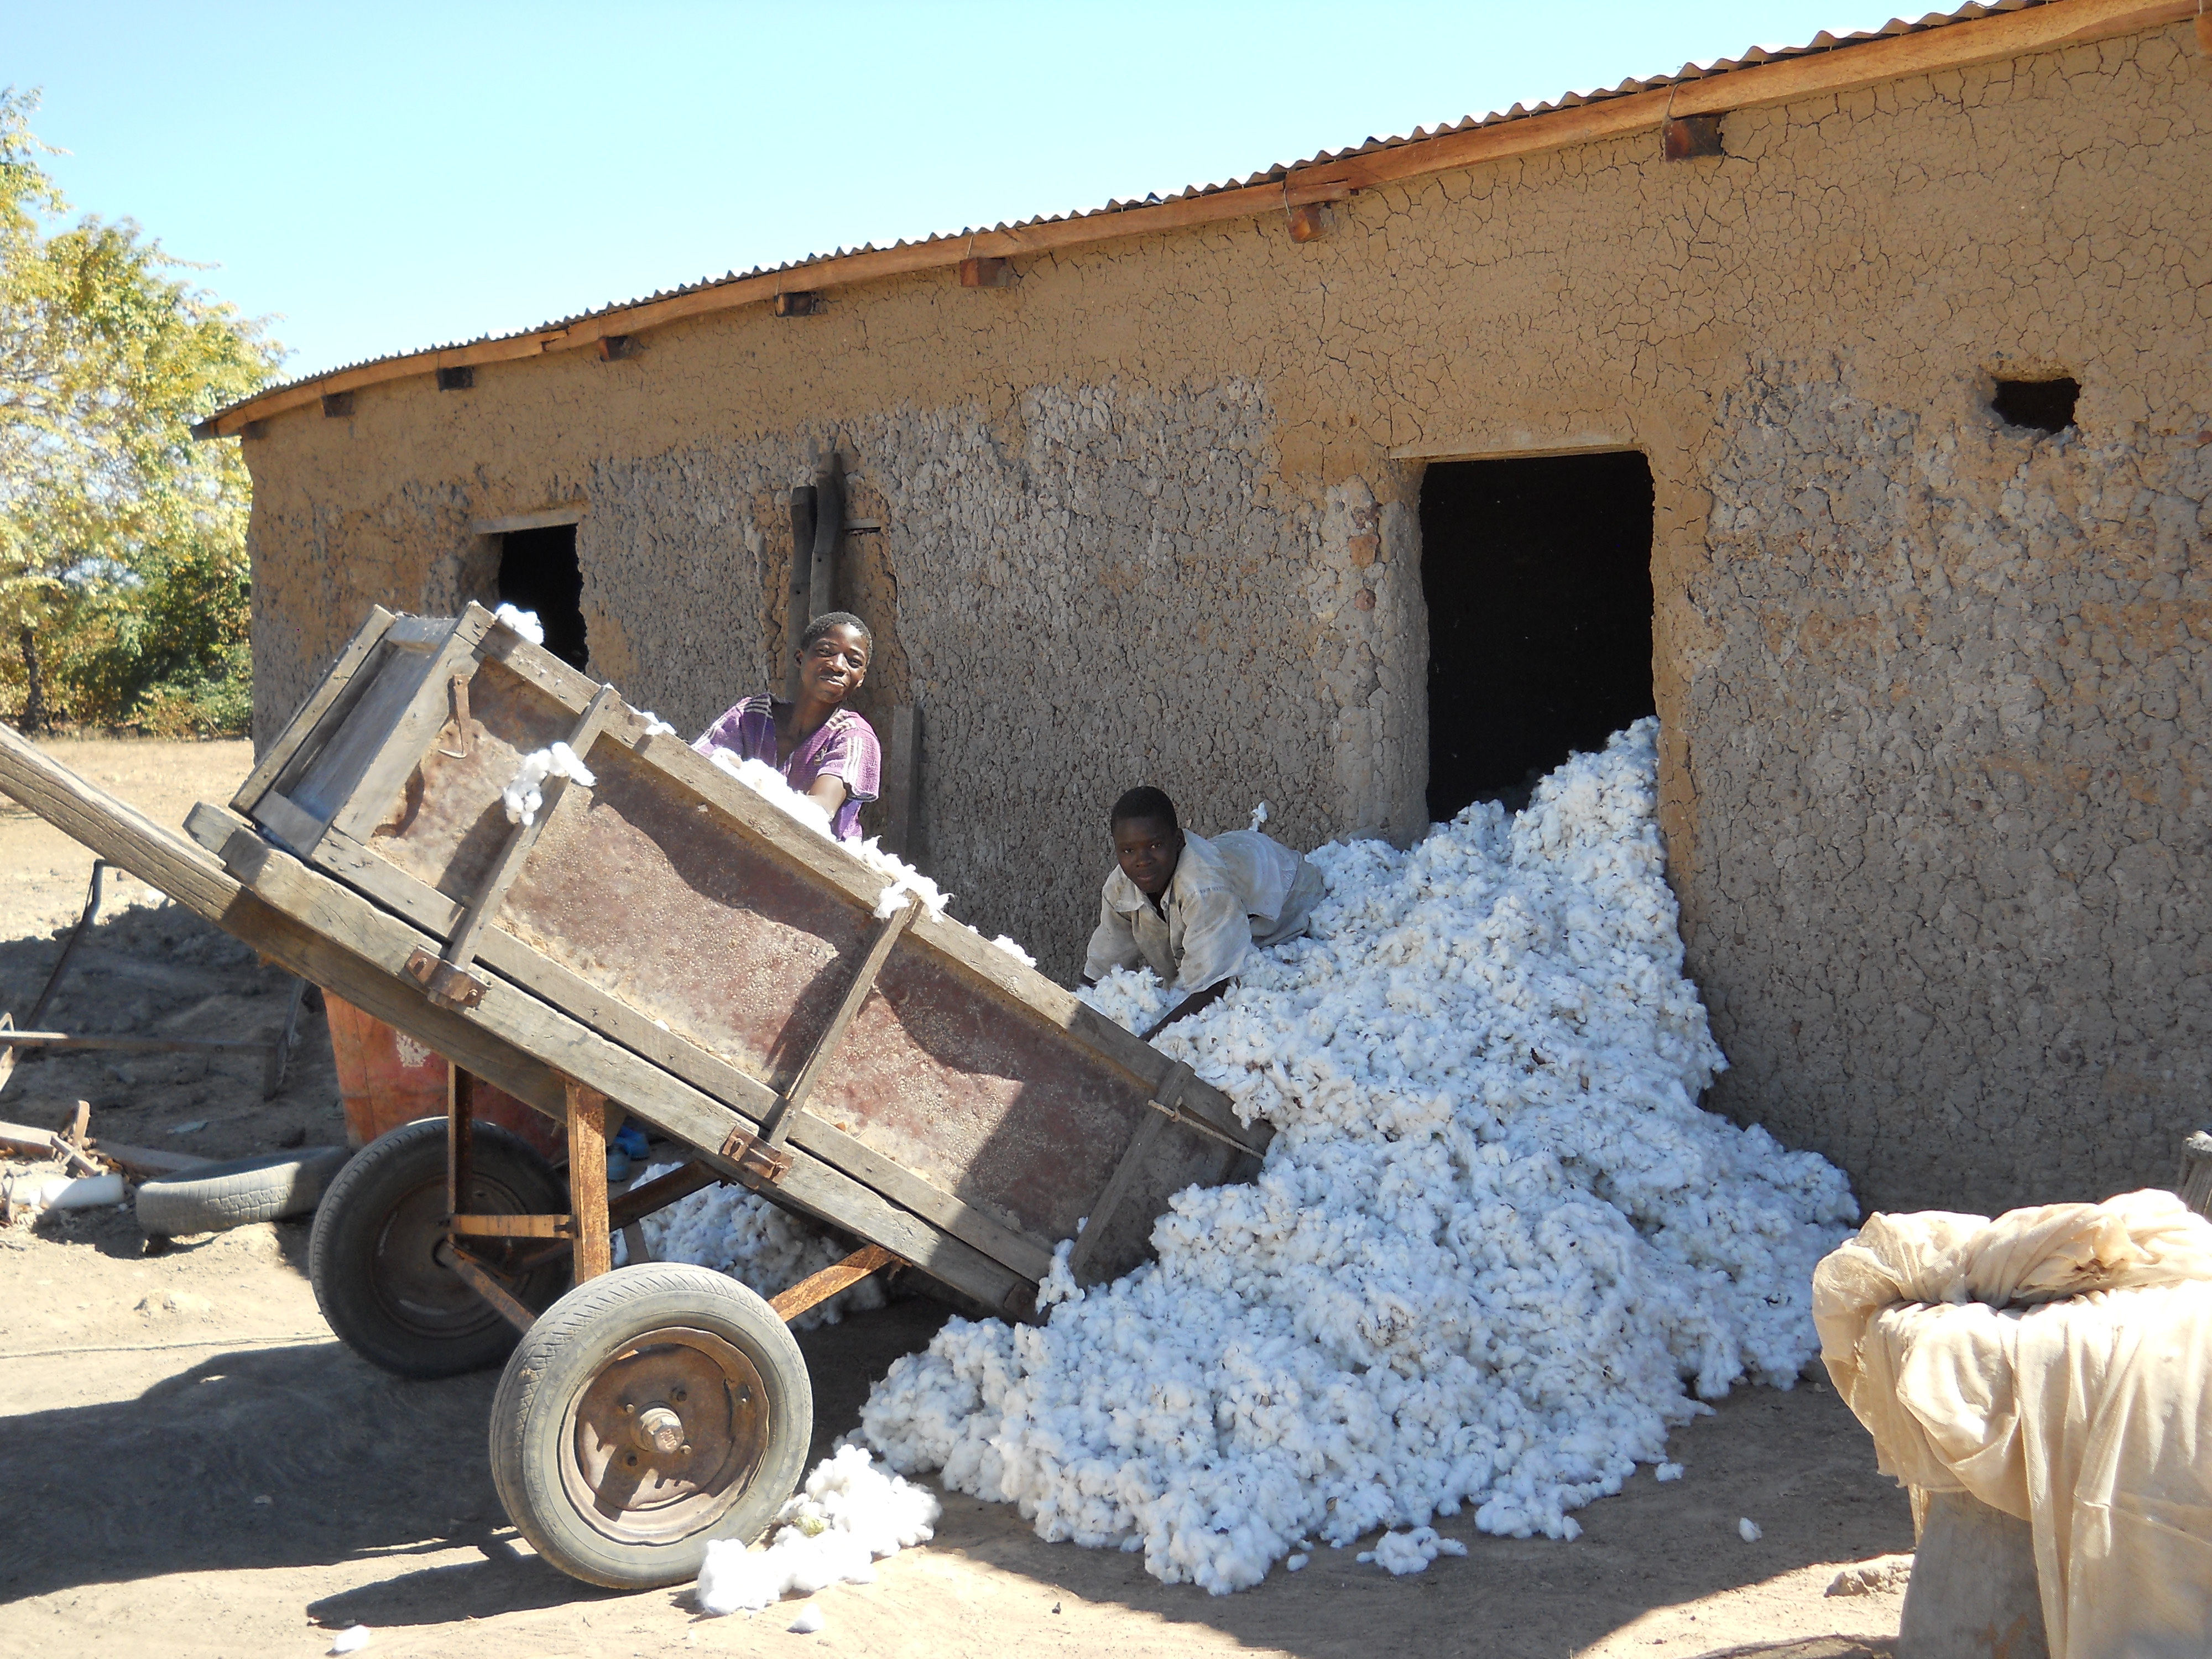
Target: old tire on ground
pixel 647 1414
pixel 216 1196
pixel 379 1257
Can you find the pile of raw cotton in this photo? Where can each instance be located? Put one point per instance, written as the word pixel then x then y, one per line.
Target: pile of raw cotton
pixel 1492 1239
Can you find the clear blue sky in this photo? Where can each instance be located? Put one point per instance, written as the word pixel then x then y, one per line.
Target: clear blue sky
pixel 378 177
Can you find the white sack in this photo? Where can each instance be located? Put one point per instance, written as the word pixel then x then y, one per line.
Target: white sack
pixel 2083 1417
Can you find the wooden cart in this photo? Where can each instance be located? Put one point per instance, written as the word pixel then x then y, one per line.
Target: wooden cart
pixel 666 942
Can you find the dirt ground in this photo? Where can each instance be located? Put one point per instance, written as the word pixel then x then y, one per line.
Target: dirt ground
pixel 194 1467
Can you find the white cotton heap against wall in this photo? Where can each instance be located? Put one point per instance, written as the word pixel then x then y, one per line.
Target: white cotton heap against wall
pixel 525 792
pixel 524 623
pixel 1492 1238
pixel 849 1514
pixel 762 1248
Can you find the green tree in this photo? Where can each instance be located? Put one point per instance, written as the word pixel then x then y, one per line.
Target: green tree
pixel 123 586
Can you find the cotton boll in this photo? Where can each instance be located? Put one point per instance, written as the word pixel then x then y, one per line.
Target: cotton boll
pixel 1668 1472
pixel 524 623
pixel 1297 1563
pixel 524 793
pixel 1749 1530
pixel 352 1639
pixel 808 1621
pixel 1493 1241
pixel 654 726
pixel 1013 949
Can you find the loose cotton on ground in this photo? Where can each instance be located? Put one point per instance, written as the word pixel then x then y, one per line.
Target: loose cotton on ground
pixel 1492 1238
pixel 847 1515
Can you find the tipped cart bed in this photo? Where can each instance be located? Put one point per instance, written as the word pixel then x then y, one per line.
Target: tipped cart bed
pixel 665 943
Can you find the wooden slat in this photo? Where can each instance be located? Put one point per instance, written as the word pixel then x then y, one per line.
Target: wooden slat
pixel 902 782
pixel 426 711
pixel 478 1278
pixel 515 1226
pixel 777 1125
pixel 309 715
pixel 1132 1164
pixel 1955 45
pixel 300 831
pixel 461 944
pixel 659 1194
pixel 1117 1187
pixel 545 518
pixel 588 1181
pixel 788 1304
pixel 461 1137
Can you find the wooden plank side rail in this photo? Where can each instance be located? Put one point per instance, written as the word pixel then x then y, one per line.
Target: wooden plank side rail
pixel 1848 67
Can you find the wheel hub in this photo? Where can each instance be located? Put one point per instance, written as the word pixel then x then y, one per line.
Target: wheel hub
pixel 658 1430
pixel 664 1437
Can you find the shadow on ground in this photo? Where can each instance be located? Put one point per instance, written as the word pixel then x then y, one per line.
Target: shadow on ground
pixel 354 1465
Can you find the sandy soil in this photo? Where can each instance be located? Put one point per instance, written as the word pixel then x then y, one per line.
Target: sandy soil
pixel 195 1467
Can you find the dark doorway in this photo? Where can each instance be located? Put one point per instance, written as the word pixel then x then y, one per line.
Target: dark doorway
pixel 1538 577
pixel 538 571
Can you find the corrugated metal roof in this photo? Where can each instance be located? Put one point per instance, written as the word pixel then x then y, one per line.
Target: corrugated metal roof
pixel 1823 42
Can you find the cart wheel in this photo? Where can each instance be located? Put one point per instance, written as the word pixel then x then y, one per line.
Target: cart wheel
pixel 644 1415
pixel 380 1258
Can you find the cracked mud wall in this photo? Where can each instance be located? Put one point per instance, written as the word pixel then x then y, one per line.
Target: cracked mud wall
pixel 1932 688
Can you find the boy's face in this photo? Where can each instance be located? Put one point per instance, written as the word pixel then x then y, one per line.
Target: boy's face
pixel 1147 850
pixel 836 664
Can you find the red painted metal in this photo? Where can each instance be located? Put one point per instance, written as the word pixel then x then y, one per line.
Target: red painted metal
pixel 386 1078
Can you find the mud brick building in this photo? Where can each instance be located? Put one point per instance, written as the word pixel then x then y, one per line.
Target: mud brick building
pixel 1848 406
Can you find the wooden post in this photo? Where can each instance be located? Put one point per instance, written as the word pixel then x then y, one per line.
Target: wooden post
pixel 587 1180
pixel 802 586
pixel 828 531
pixel 460 1138
pixel 903 784
pixel 2195 1185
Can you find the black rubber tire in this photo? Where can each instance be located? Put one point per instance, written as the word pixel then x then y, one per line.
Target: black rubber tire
pixel 537 1438
pixel 217 1196
pixel 373 1257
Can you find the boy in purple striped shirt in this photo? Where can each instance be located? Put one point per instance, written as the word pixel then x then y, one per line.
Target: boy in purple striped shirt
pixel 824 751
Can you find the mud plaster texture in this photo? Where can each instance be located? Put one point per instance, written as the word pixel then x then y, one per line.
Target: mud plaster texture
pixel 1933 688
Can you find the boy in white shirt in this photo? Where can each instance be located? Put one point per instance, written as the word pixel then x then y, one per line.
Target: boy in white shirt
pixel 1194 908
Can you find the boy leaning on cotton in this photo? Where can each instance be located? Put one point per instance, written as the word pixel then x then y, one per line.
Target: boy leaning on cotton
pixel 1193 908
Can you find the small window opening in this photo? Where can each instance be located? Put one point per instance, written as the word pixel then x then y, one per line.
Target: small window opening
pixel 538 571
pixel 1538 577
pixel 2046 405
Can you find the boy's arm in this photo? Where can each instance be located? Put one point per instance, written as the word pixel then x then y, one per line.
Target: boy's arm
pixel 1113 945
pixel 1190 1005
